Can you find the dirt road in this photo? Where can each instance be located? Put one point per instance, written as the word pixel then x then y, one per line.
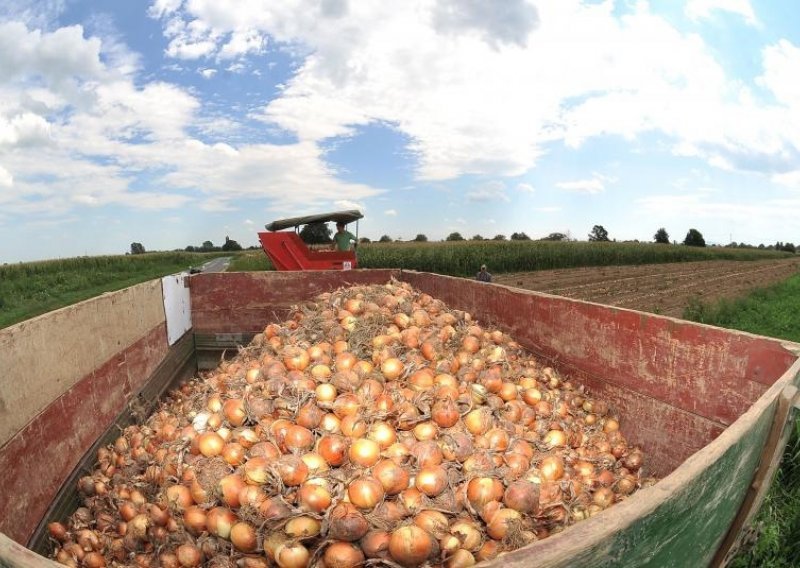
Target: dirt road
pixel 659 288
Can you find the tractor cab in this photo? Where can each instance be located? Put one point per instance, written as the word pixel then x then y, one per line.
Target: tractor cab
pixel 287 251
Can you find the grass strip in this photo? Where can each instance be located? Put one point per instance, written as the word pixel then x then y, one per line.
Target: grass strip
pixel 33 288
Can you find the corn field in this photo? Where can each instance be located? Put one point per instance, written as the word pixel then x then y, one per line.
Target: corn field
pixel 465 258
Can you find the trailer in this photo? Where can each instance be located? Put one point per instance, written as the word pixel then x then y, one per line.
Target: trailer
pixel 709 406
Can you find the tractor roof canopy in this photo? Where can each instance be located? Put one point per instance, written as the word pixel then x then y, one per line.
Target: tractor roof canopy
pixel 337 216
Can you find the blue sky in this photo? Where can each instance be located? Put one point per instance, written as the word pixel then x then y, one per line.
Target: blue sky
pixel 172 122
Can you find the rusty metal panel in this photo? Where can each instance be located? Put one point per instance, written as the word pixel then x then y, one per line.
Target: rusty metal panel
pixel 62 433
pixel 242 302
pixel 42 358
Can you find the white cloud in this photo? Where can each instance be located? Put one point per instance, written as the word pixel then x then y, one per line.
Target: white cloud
pixel 509 21
pixel 348 204
pixel 781 69
pixel 526 188
pixel 548 209
pixel 249 222
pixel 41 14
pixel 480 91
pixel 491 191
pixel 6 179
pixel 207 73
pixel 593 185
pixel 702 9
pixel 76 133
pixel 390 213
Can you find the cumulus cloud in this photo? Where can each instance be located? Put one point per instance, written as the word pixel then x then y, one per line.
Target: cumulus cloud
pixel 526 188
pixel 477 88
pixel 207 73
pixel 76 133
pixel 390 212
pixel 701 9
pixel 509 21
pixel 6 179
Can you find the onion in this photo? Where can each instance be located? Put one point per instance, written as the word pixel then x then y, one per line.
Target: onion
pixel 383 434
pixel 522 496
pixel 256 470
pixel 431 480
pixel 353 426
pixel 468 533
pixel 433 522
pixel 478 421
pixel 410 545
pixel 292 556
pixel 292 470
pixel 332 448
pixel 298 438
pixel 392 477
pixel 302 527
pixel 392 369
pixel 188 555
pixel 501 522
pixel 343 555
pixel 482 490
pixel 220 521
pixel 445 413
pixel 365 492
pixel 210 444
pixel 364 452
pixel 234 411
pixel 194 518
pixel 375 544
pixel 346 523
pixel 243 536
pixel 552 468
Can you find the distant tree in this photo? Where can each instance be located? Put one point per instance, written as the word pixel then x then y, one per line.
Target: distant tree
pixel 694 239
pixel 519 237
pixel 420 238
pixel 499 238
pixel 555 237
pixel 661 236
pixel 191 248
pixel 598 233
pixel 477 238
pixel 316 234
pixel 789 247
pixel 231 245
pixel 364 240
pixel 207 246
pixel 385 239
pixel 454 237
pixel 137 248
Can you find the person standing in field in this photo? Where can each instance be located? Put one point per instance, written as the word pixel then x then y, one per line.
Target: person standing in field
pixel 342 238
pixel 483 276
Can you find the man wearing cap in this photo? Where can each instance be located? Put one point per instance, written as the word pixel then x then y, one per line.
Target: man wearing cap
pixel 483 276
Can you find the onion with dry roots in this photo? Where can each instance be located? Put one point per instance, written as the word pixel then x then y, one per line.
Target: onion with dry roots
pixel 374 425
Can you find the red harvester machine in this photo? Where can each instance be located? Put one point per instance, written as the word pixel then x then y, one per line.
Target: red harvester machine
pixel 287 251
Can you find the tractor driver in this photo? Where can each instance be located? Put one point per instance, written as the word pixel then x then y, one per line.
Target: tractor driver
pixel 342 238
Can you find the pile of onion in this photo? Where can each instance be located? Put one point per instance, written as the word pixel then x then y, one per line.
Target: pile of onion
pixel 374 425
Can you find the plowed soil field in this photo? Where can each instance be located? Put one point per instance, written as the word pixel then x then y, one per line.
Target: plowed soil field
pixel 659 288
